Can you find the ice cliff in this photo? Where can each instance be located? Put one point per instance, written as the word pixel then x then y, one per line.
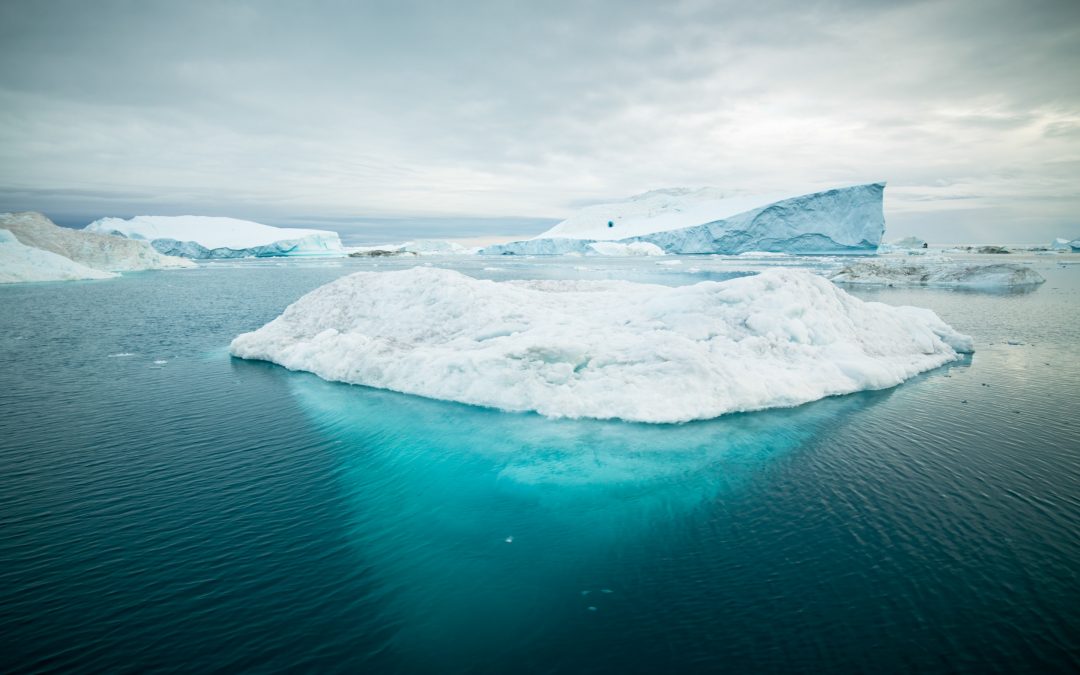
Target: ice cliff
pixel 214 237
pixel 939 272
pixel 19 263
pixel 99 251
pixel 842 220
pixel 604 349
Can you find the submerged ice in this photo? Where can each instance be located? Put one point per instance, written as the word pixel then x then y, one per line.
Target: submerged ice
pixel 604 349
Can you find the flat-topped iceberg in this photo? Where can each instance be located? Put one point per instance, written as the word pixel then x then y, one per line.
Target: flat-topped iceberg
pixel 214 237
pixel 99 251
pixel 20 263
pixel 604 349
pixel 939 272
pixel 842 220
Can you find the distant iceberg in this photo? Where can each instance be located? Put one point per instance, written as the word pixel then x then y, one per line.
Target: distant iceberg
pixel 905 244
pixel 21 263
pixel 99 251
pixel 213 237
pixel 842 220
pixel 943 273
pixel 1060 244
pixel 604 349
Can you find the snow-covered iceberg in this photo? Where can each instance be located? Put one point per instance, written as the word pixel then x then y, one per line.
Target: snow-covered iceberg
pixel 943 273
pixel 215 237
pixel 1060 244
pixel 99 251
pixel 842 220
pixel 604 349
pixel 19 263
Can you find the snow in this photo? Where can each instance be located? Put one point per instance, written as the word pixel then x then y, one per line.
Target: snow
pixel 842 220
pixel 634 248
pixel 99 251
pixel 215 237
pixel 604 349
pixel 19 263
pixel 938 272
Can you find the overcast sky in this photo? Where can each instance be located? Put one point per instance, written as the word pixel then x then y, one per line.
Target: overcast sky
pixel 385 118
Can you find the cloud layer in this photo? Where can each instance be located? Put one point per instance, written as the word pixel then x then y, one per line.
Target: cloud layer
pixel 405 112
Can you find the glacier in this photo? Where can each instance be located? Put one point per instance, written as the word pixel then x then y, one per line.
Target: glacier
pixel 683 221
pixel 203 237
pixel 99 251
pixel 20 263
pixel 603 349
pixel 941 272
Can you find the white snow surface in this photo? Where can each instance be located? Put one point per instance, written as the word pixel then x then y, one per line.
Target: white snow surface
pixel 938 272
pixel 100 251
pixel 19 263
pixel 213 232
pixel 604 349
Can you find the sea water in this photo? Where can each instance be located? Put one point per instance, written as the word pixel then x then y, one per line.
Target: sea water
pixel 165 506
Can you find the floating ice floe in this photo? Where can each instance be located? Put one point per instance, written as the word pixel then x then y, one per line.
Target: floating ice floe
pixel 604 349
pixel 214 237
pixel 943 273
pixel 20 263
pixel 842 220
pixel 99 251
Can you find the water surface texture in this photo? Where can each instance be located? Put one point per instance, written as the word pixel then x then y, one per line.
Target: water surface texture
pixel 164 506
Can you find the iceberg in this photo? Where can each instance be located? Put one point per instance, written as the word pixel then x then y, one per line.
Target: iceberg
pixel 943 273
pixel 19 263
pixel 214 237
pixel 603 349
pixel 634 248
pixel 905 244
pixel 99 251
pixel 842 220
pixel 1060 244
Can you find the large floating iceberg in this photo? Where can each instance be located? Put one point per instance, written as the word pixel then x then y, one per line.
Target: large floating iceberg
pixel 842 220
pixel 604 349
pixel 19 263
pixel 213 237
pixel 99 251
pixel 939 272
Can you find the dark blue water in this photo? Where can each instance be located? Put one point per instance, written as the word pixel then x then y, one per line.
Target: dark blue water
pixel 210 514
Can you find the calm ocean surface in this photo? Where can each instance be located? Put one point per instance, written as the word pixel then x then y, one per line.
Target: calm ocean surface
pixel 166 507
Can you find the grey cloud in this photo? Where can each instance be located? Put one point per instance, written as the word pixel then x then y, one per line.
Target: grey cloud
pixel 414 110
